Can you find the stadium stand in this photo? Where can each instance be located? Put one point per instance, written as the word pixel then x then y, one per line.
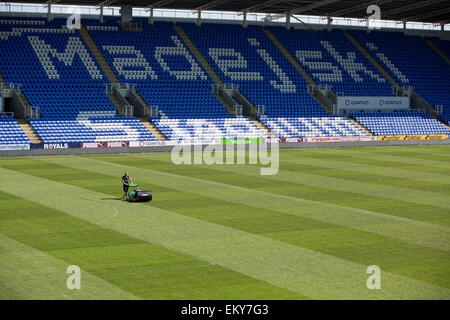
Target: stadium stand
pixel 91 130
pixel 10 131
pixel 59 75
pixel 412 63
pixel 247 58
pixel 291 127
pixel 166 75
pixel 52 64
pixel 160 66
pixel 208 129
pixel 330 58
pixel 442 45
pixel 400 123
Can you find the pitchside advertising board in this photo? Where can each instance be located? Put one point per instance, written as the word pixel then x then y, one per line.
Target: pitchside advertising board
pixel 54 146
pixel 14 146
pixel 361 103
pixel 414 137
pixel 140 144
pixel 318 139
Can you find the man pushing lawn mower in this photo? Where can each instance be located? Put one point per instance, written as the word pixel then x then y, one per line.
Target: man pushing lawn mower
pixel 137 195
pixel 126 180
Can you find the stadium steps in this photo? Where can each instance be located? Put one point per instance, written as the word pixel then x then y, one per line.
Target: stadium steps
pixel 437 50
pixel 372 59
pixel 289 56
pixel 214 76
pixel 191 46
pixel 29 131
pixel 227 104
pixel 117 103
pixel 98 55
pixel 262 126
pixel 417 102
pixel 26 103
pixel 297 67
pixel 327 109
pixel 21 95
pixel 153 129
pixel 360 125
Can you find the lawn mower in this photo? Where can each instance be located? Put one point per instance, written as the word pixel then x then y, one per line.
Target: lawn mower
pixel 138 195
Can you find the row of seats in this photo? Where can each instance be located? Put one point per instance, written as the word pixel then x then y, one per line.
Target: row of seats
pixel 53 65
pixel 412 63
pixel 248 59
pixel 397 123
pixel 295 127
pixel 331 59
pixel 59 75
pixel 91 130
pixel 11 132
pixel 160 66
pixel 208 129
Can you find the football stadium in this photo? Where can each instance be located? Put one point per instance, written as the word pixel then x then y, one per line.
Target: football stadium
pixel 225 150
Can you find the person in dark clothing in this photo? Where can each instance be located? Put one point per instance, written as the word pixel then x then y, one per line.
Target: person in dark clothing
pixel 126 181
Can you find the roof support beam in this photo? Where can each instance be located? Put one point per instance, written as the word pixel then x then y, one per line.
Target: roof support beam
pixel 427 15
pixel 207 6
pixel 414 6
pixel 106 3
pixel 49 6
pixel 311 6
pixel 361 7
pixel 244 21
pixel 103 4
pixel 157 4
pixel 259 6
pixel 211 5
pixel 443 22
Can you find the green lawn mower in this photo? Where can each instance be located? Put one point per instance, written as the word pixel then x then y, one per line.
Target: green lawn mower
pixel 138 195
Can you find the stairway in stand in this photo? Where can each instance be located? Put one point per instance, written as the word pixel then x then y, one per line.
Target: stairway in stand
pixel 153 129
pixel 29 131
pixel 98 56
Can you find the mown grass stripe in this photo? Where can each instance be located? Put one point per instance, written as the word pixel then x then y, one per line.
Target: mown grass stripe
pixel 149 271
pixel 408 230
pixel 299 270
pixel 416 154
pixel 423 263
pixel 401 208
pixel 345 157
pixel 28 273
pixel 383 156
pixel 431 151
pixel 337 184
pixel 366 168
pixel 322 180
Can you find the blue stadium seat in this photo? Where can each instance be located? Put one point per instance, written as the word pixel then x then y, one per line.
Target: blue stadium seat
pixel 330 58
pixel 412 63
pixel 11 132
pixel 400 123
pixel 58 74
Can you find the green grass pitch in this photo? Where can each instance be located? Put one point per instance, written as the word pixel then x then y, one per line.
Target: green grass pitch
pixel 226 232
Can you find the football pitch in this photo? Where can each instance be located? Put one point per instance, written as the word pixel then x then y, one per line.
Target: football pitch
pixel 226 232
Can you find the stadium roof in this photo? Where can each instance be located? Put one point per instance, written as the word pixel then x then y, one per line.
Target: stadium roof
pixel 435 11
